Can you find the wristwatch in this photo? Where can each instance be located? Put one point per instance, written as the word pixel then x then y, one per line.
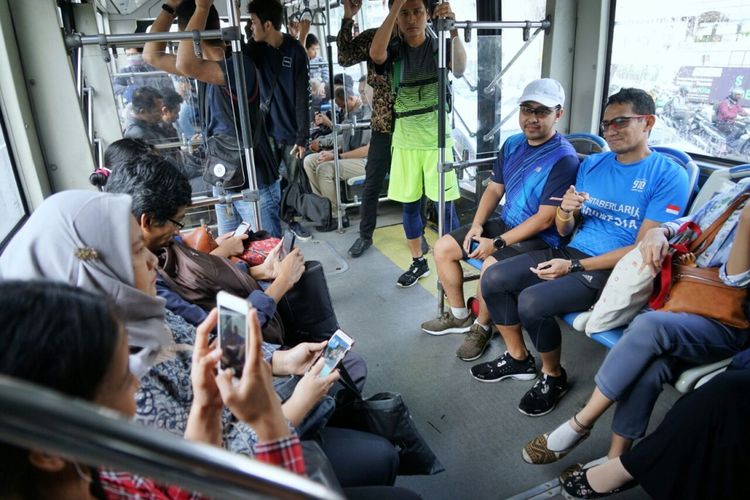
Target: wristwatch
pixel 575 266
pixel 167 8
pixel 499 243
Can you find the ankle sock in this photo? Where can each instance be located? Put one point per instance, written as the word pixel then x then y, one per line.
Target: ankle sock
pixel 486 328
pixel 460 312
pixel 562 438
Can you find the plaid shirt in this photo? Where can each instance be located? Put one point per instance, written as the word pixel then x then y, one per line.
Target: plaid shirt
pixel 286 453
pixel 353 50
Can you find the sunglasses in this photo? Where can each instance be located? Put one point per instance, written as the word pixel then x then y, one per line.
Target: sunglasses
pixel 620 122
pixel 541 111
pixel 178 225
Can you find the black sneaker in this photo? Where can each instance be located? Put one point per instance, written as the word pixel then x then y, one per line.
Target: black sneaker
pixel 299 231
pixel 333 225
pixel 505 367
pixel 359 247
pixel 543 397
pixel 419 269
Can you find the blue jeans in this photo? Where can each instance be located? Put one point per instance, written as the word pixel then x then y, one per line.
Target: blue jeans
pixel 270 218
pixel 646 356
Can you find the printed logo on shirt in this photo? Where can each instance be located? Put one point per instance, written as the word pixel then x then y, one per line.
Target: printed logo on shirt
pixel 627 216
pixel 673 210
pixel 286 62
pixel 639 185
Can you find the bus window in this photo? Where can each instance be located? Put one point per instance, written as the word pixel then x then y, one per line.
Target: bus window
pixel 694 59
pixel 11 200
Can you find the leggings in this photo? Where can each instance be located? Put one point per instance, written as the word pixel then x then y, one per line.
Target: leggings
pixel 414 225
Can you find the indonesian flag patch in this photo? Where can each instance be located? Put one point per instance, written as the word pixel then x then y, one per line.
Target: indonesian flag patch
pixel 673 210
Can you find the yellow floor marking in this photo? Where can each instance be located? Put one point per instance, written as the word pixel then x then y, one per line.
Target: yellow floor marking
pixel 391 242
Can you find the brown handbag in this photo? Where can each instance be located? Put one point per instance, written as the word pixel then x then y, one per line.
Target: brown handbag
pixel 200 239
pixel 700 290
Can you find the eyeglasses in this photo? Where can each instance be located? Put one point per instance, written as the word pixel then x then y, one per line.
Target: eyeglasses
pixel 541 111
pixel 620 122
pixel 178 225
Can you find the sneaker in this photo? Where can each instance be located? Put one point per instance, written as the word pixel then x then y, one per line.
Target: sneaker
pixel 333 225
pixel 425 245
pixel 299 231
pixel 447 323
pixel 543 397
pixel 359 247
pixel 505 367
pixel 419 269
pixel 475 343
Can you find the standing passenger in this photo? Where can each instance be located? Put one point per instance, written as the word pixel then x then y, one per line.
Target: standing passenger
pixel 412 63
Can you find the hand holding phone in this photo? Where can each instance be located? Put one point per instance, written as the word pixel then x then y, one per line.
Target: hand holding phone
pixel 233 312
pixel 338 345
pixel 287 244
pixel 243 228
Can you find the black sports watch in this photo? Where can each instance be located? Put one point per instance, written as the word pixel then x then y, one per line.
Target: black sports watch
pixel 499 243
pixel 167 8
pixel 575 266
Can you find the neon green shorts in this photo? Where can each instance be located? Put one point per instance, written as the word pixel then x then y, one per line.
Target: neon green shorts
pixel 414 171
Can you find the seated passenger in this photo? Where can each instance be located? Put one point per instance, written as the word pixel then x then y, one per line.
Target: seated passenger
pixel 144 120
pixel 355 143
pixel 699 450
pixel 99 247
pixel 656 342
pixel 618 196
pixel 170 112
pixel 80 349
pixel 415 150
pixel 318 65
pixel 533 170
pixel 126 85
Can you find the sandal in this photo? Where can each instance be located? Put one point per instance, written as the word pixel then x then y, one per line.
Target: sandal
pixel 536 451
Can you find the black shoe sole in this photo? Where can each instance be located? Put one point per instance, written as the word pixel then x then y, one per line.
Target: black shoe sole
pixel 546 412
pixel 514 376
pixel 409 286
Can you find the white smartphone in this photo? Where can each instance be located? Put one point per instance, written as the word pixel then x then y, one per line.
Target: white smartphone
pixel 241 229
pixel 233 313
pixel 337 347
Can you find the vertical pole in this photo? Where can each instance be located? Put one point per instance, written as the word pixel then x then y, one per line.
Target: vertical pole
pixel 336 167
pixel 442 84
pixel 245 128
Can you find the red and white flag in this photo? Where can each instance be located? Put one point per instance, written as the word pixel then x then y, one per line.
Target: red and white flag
pixel 673 210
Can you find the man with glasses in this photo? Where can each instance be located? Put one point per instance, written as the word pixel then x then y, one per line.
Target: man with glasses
pixel 533 169
pixel 617 197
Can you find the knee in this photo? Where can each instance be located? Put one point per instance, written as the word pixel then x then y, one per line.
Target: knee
pixel 447 249
pixel 648 328
pixel 495 280
pixel 326 171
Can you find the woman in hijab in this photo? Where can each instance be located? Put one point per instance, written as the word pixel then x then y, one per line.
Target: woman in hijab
pixel 91 240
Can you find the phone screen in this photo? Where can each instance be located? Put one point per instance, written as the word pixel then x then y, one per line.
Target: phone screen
pixel 288 244
pixel 337 347
pixel 241 229
pixel 232 337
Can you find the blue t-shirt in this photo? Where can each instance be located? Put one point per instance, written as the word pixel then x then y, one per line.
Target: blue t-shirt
pixel 533 174
pixel 623 195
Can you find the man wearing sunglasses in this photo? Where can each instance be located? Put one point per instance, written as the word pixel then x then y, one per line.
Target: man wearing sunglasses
pixel 617 197
pixel 533 170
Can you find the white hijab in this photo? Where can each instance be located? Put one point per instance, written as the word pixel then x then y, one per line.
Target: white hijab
pixel 83 238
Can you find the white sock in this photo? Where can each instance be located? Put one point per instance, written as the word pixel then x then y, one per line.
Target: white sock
pixel 562 438
pixel 486 328
pixel 460 312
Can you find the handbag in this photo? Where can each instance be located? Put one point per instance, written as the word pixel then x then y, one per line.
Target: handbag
pixel 307 309
pixel 200 239
pixel 385 414
pixel 684 287
pixel 257 247
pixel 223 162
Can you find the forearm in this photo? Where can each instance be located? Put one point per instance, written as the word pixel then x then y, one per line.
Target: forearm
pixel 295 409
pixel 187 61
pixel 360 152
pixel 278 288
pixel 529 228
pixel 204 424
pixel 154 53
pixel 379 45
pixel 350 51
pixel 272 426
pixel 487 204
pixel 302 102
pixel 565 222
pixel 739 256
pixel 605 261
pixel 458 57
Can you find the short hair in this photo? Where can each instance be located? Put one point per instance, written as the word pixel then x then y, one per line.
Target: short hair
pixel 343 92
pixel 157 187
pixel 311 40
pixel 363 78
pixel 145 98
pixel 267 10
pixel 641 102
pixel 185 11
pixel 343 79
pixel 171 98
pixel 126 151
pixel 57 336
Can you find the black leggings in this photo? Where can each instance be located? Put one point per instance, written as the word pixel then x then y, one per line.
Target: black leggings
pixel 516 295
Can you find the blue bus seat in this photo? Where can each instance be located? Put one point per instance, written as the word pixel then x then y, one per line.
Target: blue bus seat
pixel 682 159
pixel 586 144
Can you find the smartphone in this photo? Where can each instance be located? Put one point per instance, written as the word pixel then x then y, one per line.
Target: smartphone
pixel 242 229
pixel 233 313
pixel 338 345
pixel 287 244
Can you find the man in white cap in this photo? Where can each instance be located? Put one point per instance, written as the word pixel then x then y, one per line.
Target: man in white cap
pixel 533 169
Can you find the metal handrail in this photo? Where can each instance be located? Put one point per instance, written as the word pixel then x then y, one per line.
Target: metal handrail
pixel 80 39
pixel 36 417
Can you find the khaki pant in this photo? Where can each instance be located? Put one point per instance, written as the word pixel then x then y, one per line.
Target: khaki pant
pixel 321 176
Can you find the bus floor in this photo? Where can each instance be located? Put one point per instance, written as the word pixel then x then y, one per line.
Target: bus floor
pixel 474 428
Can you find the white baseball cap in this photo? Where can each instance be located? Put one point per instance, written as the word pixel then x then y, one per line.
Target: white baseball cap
pixel 545 91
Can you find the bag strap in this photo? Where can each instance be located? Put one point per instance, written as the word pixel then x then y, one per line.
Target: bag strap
pixel 705 240
pixel 266 104
pixel 347 382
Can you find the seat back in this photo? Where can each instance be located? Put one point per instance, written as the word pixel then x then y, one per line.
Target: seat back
pixel 682 159
pixel 720 180
pixel 586 144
